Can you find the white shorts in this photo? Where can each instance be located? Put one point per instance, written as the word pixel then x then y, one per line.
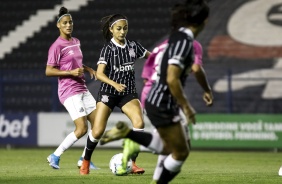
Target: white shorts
pixel 80 105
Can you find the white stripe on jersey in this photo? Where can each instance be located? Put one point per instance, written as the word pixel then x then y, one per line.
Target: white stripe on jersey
pixel 70 46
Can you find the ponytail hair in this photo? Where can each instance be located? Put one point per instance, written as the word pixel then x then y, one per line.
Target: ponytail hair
pixel 107 22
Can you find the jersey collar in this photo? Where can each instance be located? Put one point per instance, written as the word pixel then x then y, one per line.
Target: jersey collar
pixel 122 46
pixel 187 31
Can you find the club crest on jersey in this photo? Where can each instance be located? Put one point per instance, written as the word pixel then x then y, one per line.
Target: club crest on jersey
pixel 131 52
pixel 105 98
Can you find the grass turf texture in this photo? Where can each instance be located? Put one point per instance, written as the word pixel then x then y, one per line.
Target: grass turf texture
pixel 202 167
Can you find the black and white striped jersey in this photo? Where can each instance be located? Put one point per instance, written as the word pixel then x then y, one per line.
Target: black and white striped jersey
pixel 179 52
pixel 120 61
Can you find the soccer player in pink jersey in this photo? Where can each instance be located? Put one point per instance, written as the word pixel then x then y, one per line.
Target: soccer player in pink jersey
pixel 149 74
pixel 65 62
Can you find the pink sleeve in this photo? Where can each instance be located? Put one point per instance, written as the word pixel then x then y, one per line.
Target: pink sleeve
pixel 53 55
pixel 149 66
pixel 198 52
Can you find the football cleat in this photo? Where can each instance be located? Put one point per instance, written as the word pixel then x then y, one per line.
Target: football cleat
pixel 53 161
pixel 130 148
pixel 92 166
pixel 84 169
pixel 118 132
pixel 136 169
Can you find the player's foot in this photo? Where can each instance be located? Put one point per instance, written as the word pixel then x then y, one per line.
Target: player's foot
pixel 136 169
pixel 92 166
pixel 280 171
pixel 121 172
pixel 129 149
pixel 53 161
pixel 84 169
pixel 119 131
pixel 154 182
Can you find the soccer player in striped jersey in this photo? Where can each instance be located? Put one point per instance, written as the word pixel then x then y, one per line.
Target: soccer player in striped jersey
pixel 116 72
pixel 149 74
pixel 167 96
pixel 65 62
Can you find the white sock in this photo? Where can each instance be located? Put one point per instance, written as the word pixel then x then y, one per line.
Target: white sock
pixel 159 167
pixel 67 142
pixel 83 153
pixel 172 165
pixel 92 139
pixel 138 129
pixel 156 145
pixel 144 149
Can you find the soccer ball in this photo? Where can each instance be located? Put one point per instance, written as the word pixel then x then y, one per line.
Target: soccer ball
pixel 116 161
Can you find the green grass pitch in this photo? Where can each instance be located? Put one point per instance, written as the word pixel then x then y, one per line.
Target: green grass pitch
pixel 202 167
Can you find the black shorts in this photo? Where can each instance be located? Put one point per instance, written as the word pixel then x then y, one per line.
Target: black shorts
pixel 161 116
pixel 113 101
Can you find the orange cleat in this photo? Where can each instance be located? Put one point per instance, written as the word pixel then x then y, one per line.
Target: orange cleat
pixel 84 169
pixel 136 169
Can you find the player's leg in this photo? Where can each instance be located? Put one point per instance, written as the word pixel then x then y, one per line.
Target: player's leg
pixel 133 111
pixel 174 137
pixel 73 105
pixel 102 114
pixel 90 106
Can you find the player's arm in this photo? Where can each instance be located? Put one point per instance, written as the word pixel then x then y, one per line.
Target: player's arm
pixel 147 54
pixel 201 78
pixel 176 90
pixel 52 71
pixel 104 78
pixel 91 72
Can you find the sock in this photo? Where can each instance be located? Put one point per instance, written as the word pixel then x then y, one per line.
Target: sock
pixel 90 147
pixel 144 149
pixel 67 142
pixel 159 167
pixel 149 140
pixel 171 168
pixel 133 157
pixel 83 153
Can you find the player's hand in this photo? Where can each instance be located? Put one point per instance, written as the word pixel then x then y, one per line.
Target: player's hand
pixel 78 72
pixel 190 114
pixel 120 87
pixel 208 98
pixel 92 73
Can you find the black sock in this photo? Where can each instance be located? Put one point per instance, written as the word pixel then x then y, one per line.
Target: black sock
pixel 142 138
pixel 90 147
pixel 134 156
pixel 166 176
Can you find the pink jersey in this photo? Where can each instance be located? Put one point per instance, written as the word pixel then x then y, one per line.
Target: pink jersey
pixel 66 55
pixel 149 70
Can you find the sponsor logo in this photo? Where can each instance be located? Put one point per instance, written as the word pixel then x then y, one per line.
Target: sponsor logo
pixel 124 68
pixel 70 52
pixel 15 128
pixel 81 109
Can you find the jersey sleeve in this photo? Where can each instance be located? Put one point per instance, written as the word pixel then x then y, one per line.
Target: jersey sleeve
pixel 141 51
pixel 178 49
pixel 104 55
pixel 54 55
pixel 198 53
